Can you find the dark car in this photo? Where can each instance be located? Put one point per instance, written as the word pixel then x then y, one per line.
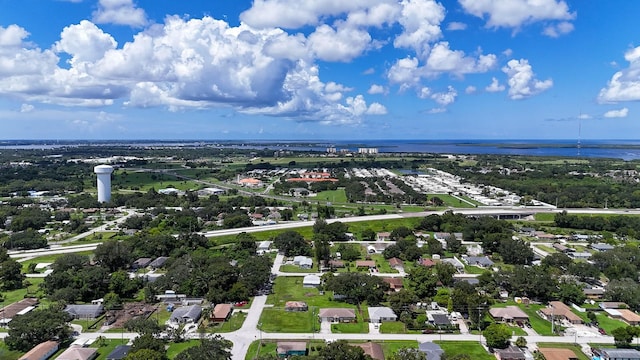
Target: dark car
pixel 602 331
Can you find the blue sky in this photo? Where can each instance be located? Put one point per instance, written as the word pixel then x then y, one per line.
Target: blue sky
pixel 319 69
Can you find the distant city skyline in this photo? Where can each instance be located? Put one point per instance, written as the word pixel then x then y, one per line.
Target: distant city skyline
pixel 319 69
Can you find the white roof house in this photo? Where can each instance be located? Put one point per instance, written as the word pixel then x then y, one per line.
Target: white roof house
pixel 304 262
pixel 381 314
pixel 311 281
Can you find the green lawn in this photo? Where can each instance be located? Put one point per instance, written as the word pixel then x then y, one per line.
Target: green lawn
pixel 576 349
pixel 257 348
pixel 359 327
pixel 278 320
pixel 6 354
pixel 109 346
pixel 390 347
pixel 16 295
pixel 607 323
pixel 176 348
pixel 333 196
pixel 298 269
pixel 396 327
pixel 234 323
pixel 290 289
pixel 544 216
pixel 473 349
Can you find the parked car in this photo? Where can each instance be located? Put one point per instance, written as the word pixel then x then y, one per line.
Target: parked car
pixel 602 331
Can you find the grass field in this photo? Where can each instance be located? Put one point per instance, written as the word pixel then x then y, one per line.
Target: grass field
pixel 298 269
pixel 290 289
pixel 450 201
pixel 396 327
pixel 473 349
pixel 16 295
pixel 335 196
pixel 6 354
pixel 176 348
pixel 544 216
pixel 144 181
pixel 278 320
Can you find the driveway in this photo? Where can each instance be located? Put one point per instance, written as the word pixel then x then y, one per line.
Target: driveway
pixel 374 328
pixel 325 327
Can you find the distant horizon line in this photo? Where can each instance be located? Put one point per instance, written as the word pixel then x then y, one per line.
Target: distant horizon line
pixel 312 140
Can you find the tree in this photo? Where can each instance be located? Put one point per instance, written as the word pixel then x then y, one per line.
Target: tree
pixel 369 288
pixel 114 255
pixel 341 350
pixel 216 348
pixel 145 354
pixel 143 326
pixel 402 300
pixel 521 342
pixel 409 354
pixel 517 252
pixel 32 328
pixel 623 336
pixel 148 342
pixel 423 281
pixel 497 336
pixel 11 276
pixel 291 243
pixel 569 291
pixel 624 290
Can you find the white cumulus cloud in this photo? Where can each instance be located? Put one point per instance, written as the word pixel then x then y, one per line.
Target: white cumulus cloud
pixel 376 89
pixel 516 13
pixel 445 98
pixel 84 42
pixel 556 30
pixel 470 89
pixel 624 84
pixel 620 113
pixel 25 108
pixel 119 12
pixel 522 81
pixel 495 86
pixel 456 26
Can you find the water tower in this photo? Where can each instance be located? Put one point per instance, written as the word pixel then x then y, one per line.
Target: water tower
pixel 104 182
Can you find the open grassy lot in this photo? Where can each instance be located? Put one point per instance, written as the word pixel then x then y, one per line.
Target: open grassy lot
pixel 451 201
pixel 278 320
pixel 298 269
pixel 144 181
pixel 334 196
pixel 396 327
pixel 544 216
pixel 290 289
pixel 48 259
pixel 576 349
pixel 474 349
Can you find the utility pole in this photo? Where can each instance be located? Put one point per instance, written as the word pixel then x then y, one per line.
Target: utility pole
pixel 552 319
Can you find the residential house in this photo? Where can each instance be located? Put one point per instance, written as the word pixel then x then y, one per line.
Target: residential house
pixel 221 312
pixel 625 315
pixel 42 351
pixel 474 249
pixel 529 231
pixel 383 236
pixel 336 264
pixel 304 262
pixel 337 315
pixel 455 262
pixel 263 246
pixel 593 292
pixel 562 248
pixel 613 305
pixel 291 348
pixel 558 354
pixel 579 255
pixel 374 350
pixel 370 264
pixel 601 247
pixel 311 281
pixel 480 261
pixel 509 314
pixel 439 320
pixel 432 350
pixel 397 264
pixel 381 314
pixel 296 306
pixel 510 353
pixel 119 353
pixel 92 311
pixel 17 308
pixel 186 314
pixel 141 263
pixel 158 262
pixel 75 352
pixel 395 283
pixel 617 354
pixel 559 311
pixel 426 262
pixel 441 236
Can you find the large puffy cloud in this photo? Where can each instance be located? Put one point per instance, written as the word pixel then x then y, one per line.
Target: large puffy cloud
pixel 421 23
pixel 409 72
pixel 522 81
pixel 197 63
pixel 120 12
pixel 343 44
pixel 84 42
pixel 516 13
pixel 624 84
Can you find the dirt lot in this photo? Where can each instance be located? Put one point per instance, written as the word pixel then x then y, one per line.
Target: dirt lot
pixel 130 311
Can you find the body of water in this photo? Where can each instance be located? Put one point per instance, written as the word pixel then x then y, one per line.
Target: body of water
pixel 618 149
